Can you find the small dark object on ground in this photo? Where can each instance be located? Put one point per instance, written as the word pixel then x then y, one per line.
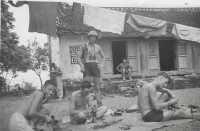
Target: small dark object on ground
pixel 194 108
pixel 106 124
pixel 131 111
pixel 125 127
pixel 118 112
pixel 173 107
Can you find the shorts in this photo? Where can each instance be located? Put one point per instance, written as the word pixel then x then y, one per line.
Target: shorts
pixel 19 123
pixel 153 116
pixel 76 118
pixel 91 70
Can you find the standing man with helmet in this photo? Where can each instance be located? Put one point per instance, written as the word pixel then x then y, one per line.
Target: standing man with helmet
pixel 91 62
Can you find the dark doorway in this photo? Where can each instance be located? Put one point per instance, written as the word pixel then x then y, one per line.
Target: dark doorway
pixel 119 53
pixel 167 51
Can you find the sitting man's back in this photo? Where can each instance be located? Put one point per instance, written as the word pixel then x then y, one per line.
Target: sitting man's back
pixel 148 112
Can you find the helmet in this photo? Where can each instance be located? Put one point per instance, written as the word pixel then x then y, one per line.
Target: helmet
pixel 93 33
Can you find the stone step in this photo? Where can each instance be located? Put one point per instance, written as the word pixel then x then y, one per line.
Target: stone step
pixel 179 82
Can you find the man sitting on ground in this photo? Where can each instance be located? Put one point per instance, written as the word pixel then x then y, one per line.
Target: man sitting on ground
pixel 31 110
pixel 122 68
pixel 153 107
pixel 82 103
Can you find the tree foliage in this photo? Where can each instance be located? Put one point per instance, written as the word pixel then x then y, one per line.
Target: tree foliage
pixel 40 58
pixel 12 56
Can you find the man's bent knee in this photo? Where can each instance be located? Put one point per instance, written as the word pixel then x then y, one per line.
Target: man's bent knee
pixel 19 123
pixel 101 111
pixel 177 114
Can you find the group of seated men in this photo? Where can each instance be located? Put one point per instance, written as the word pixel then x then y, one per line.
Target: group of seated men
pixel 153 101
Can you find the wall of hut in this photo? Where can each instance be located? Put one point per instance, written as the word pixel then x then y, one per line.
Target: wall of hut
pixel 143 54
pixel 188 56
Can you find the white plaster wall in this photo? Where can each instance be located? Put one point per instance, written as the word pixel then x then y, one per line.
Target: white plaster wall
pixel 73 70
pixel 55 50
pixel 132 53
pixel 70 71
pixel 107 49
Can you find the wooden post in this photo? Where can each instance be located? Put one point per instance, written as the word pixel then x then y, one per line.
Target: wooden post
pixel 55 74
pixel 50 60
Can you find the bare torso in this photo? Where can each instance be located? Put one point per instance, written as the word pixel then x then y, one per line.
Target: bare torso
pixel 79 101
pixel 29 103
pixel 93 53
pixel 144 99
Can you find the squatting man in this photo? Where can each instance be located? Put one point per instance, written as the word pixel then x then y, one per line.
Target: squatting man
pixel 31 111
pixel 154 99
pixel 83 105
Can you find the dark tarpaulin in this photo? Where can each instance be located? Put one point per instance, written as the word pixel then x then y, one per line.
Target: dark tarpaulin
pixel 42 17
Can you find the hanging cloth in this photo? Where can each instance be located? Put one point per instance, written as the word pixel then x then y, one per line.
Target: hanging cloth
pixel 42 17
pixel 144 24
pixel 186 32
pixel 148 27
pixel 104 20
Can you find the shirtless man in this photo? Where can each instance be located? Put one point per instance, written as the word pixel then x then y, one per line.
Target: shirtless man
pixel 122 68
pixel 80 104
pixel 91 62
pixel 32 110
pixel 153 107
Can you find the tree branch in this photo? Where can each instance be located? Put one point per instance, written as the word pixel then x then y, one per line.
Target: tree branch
pixel 38 74
pixel 18 4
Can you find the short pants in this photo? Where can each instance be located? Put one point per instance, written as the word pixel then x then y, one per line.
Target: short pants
pixel 91 70
pixel 75 118
pixel 19 123
pixel 153 116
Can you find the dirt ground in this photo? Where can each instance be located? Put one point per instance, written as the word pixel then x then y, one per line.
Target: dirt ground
pixel 8 105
